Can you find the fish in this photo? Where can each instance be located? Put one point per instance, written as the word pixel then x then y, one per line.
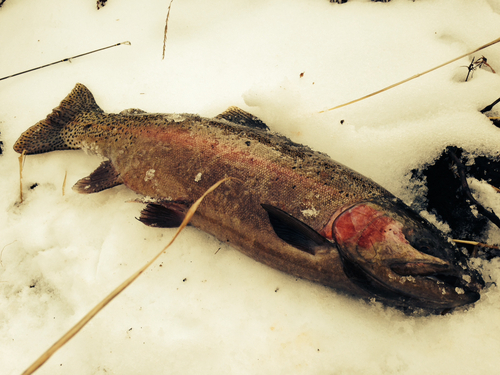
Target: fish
pixel 286 205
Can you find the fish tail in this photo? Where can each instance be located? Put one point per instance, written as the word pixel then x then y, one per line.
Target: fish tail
pixel 47 135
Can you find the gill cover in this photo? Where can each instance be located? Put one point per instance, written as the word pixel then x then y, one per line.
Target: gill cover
pixel 397 256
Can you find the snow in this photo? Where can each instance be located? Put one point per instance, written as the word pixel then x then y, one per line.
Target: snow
pixel 204 307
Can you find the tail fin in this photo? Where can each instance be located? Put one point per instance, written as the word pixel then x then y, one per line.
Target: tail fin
pixel 46 136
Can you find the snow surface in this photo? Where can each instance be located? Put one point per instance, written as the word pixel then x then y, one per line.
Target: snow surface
pixel 204 308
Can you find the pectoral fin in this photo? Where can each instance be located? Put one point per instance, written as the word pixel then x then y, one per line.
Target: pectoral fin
pixel 165 215
pixel 295 232
pixel 104 177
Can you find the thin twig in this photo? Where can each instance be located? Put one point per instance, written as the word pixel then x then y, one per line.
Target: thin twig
pixel 466 190
pixel 477 64
pixel 22 159
pixel 166 28
pixel 66 59
pixel 471 68
pixel 78 326
pixel 490 107
pixel 415 76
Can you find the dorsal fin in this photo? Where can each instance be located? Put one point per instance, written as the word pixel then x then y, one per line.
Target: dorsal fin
pixel 132 111
pixel 238 116
pixel 296 233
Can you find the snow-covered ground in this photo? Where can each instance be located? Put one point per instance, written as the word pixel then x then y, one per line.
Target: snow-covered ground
pixel 204 308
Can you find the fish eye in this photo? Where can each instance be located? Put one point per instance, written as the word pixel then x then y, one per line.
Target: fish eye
pixel 424 245
pixel 423 248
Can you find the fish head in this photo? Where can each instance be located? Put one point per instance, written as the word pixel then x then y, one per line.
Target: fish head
pixel 400 258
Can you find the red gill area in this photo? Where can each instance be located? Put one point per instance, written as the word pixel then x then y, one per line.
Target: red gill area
pixel 365 225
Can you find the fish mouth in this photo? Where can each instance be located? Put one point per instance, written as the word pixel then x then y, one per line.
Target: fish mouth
pixel 401 259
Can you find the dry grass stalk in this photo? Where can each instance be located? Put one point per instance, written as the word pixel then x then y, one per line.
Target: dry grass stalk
pixel 1 252
pixel 475 243
pixel 64 183
pixel 22 159
pixel 166 28
pixel 78 326
pixel 413 77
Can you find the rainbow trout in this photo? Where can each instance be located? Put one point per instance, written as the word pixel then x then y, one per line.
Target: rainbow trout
pixel 288 206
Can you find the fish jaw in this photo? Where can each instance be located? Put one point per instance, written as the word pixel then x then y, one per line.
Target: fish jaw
pixel 393 253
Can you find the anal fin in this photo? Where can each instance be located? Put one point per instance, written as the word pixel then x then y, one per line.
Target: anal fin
pixel 104 177
pixel 164 215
